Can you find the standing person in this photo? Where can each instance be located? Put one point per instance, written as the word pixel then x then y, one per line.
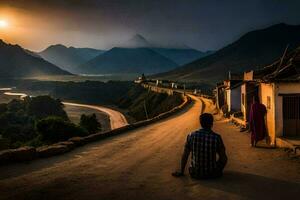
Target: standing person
pixel 257 121
pixel 204 145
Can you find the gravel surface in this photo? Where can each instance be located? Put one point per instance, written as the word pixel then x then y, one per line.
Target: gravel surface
pixel 138 165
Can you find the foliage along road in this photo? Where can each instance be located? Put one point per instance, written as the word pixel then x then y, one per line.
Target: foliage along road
pixel 117 119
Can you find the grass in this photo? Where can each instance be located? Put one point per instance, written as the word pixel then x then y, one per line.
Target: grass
pixel 138 99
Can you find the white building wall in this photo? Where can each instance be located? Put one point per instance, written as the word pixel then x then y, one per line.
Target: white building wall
pixel 267 98
pixel 243 100
pixel 274 106
pixel 248 76
pixel 228 99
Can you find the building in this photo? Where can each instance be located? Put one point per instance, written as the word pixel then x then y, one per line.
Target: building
pixel 278 88
pixel 279 91
pixel 220 95
pixel 141 79
pixel 233 95
pixel 227 93
pixel 249 89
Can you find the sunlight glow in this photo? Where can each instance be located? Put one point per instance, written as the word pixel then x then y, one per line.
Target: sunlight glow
pixel 3 24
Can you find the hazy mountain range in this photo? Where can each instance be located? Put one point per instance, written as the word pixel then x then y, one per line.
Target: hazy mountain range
pixel 137 55
pixel 128 60
pixel 137 41
pixel 181 56
pixel 18 62
pixel 253 50
pixel 68 58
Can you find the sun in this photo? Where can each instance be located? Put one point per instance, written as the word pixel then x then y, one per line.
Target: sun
pixel 3 24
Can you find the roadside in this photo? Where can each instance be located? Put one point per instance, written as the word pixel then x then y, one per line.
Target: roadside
pixel 75 112
pixel 116 118
pixel 263 160
pixel 138 165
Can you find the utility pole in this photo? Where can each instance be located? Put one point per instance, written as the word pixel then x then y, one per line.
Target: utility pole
pixel 145 108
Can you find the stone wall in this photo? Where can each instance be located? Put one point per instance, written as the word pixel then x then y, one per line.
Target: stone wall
pixel 30 153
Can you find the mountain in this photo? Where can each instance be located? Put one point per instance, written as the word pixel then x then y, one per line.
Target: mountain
pixel 137 41
pixel 181 56
pixel 68 58
pixel 34 54
pixel 128 60
pixel 254 49
pixel 17 62
pixel 138 55
pixel 179 53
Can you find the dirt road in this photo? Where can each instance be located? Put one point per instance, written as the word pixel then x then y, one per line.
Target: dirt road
pixel 137 165
pixel 116 118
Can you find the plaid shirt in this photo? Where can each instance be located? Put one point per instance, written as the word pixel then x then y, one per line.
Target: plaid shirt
pixel 204 145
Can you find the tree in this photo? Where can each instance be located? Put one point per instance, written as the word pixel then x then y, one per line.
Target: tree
pixel 44 106
pixel 55 129
pixel 90 123
pixel 15 105
pixel 3 108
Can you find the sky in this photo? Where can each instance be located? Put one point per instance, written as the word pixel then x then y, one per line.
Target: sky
pixel 102 24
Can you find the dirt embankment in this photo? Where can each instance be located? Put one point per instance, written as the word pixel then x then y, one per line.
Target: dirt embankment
pixel 142 103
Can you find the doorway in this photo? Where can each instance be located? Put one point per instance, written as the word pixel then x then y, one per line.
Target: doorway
pixel 291 115
pixel 251 91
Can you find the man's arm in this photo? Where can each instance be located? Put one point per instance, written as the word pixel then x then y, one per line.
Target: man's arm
pixel 222 155
pixel 184 159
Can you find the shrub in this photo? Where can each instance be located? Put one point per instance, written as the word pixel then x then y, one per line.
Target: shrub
pixel 90 123
pixel 44 106
pixel 15 105
pixel 3 108
pixel 138 100
pixel 55 129
pixel 36 142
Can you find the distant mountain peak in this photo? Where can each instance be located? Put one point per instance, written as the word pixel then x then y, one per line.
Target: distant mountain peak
pixel 137 41
pixel 256 48
pixel 139 37
pixel 14 56
pixel 68 58
pixel 58 46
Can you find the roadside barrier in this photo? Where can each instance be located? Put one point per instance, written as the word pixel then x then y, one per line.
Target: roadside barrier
pixel 24 154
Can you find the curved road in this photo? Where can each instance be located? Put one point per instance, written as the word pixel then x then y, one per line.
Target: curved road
pixel 116 118
pixel 138 164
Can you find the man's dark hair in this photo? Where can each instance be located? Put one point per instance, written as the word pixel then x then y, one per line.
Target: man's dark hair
pixel 256 99
pixel 206 120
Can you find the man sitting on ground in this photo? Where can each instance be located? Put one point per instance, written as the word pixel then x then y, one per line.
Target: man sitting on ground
pixel 204 145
